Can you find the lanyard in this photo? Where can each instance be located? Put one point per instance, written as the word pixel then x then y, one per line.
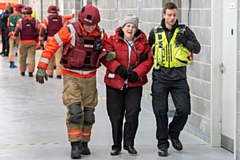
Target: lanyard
pixel 131 44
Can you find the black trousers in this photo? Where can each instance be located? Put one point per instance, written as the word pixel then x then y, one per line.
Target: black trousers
pixel 179 90
pixel 5 41
pixel 123 103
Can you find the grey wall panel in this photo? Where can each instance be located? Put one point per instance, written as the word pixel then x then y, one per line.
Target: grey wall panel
pixel 200 123
pixel 200 70
pixel 204 56
pixel 199 87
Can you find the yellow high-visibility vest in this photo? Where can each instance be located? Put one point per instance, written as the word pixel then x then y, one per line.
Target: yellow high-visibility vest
pixel 171 54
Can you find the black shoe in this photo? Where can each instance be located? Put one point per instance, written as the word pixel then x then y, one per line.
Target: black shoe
pixel 50 76
pixel 22 73
pixel 5 55
pixel 115 152
pixel 176 143
pixel 59 77
pixel 30 74
pixel 84 149
pixel 163 152
pixel 130 149
pixel 75 151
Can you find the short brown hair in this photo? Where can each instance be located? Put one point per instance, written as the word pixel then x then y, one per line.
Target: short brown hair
pixel 169 5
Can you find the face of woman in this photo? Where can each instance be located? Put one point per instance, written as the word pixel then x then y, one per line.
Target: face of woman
pixel 129 31
pixel 89 29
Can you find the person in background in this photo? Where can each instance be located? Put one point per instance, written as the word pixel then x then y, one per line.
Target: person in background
pixel 5 31
pixel 173 45
pixel 49 27
pixel 124 78
pixel 2 36
pixel 28 29
pixel 82 43
pixel 12 21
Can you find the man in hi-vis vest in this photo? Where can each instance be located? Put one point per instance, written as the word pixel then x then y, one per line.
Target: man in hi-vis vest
pixel 173 45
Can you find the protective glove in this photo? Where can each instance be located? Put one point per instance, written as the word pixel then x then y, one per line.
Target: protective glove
pixel 133 77
pixel 143 57
pixel 110 56
pixel 41 74
pixel 122 72
pixel 42 45
pixel 181 38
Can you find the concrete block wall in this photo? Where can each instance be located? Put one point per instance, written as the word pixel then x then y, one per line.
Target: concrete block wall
pixel 199 73
pixel 66 7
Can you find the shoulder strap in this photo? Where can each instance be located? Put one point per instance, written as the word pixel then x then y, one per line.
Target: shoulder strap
pixel 98 39
pixel 34 28
pixel 74 27
pixel 181 28
pixel 159 30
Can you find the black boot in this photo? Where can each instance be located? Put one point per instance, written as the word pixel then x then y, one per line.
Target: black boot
pixel 76 151
pixel 30 74
pixel 5 54
pixel 85 149
pixel 59 77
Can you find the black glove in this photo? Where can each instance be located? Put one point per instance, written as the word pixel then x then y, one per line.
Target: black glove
pixel 143 57
pixel 42 45
pixel 122 72
pixel 133 77
pixel 181 38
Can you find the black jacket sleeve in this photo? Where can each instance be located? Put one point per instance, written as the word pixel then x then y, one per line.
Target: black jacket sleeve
pixel 193 45
pixel 151 37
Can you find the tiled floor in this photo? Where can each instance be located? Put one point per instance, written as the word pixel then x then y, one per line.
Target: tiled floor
pixel 32 120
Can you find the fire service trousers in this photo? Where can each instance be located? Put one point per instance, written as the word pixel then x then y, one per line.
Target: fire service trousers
pixel 80 97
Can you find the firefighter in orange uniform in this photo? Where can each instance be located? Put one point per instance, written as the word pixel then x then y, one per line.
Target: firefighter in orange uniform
pixel 12 21
pixel 28 29
pixel 82 43
pixel 50 26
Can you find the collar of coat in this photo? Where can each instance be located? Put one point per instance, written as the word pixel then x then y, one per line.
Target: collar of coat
pixel 165 28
